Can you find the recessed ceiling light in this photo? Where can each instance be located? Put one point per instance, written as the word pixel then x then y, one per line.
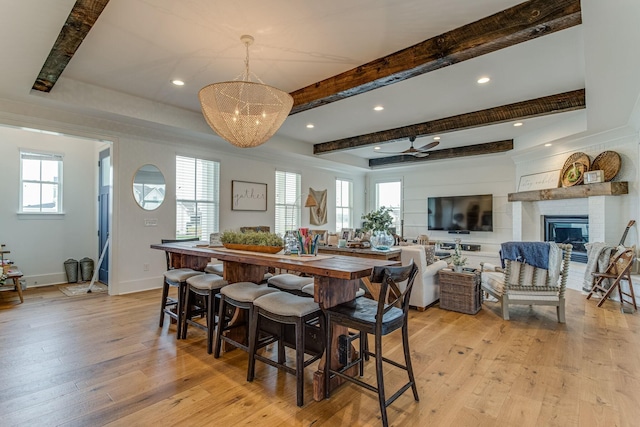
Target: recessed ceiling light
pixel 310 126
pixel 518 124
pixel 376 148
pixel 548 144
pixel 378 108
pixel 483 80
pixel 177 82
pixel 436 138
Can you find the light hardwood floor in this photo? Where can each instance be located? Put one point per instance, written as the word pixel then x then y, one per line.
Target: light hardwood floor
pixel 96 360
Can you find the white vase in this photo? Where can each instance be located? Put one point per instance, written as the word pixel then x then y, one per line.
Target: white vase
pixel 381 240
pixel 457 268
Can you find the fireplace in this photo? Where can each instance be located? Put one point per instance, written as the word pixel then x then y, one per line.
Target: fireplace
pixel 573 229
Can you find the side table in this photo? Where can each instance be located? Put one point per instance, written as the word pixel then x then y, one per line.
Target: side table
pixel 460 291
pixel 16 275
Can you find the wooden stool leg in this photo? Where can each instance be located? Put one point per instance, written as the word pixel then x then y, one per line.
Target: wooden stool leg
pixel 16 282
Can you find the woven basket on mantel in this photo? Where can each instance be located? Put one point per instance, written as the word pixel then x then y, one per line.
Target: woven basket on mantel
pixel 609 162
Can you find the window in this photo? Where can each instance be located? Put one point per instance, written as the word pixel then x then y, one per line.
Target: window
pixel 197 197
pixel 389 194
pixel 344 204
pixel 40 182
pixel 287 201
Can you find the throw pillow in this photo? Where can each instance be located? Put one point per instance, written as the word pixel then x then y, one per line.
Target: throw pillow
pixel 430 251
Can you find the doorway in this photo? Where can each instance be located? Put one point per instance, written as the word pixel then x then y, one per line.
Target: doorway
pixel 104 196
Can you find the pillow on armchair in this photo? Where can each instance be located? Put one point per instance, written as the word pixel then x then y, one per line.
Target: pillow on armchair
pixel 430 252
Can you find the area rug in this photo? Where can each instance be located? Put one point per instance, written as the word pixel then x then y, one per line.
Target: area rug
pixel 82 288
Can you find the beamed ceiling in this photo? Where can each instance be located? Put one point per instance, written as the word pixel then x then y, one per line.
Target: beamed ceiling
pixel 420 60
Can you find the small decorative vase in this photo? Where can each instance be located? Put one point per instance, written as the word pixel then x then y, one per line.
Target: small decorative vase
pixel 381 240
pixel 457 268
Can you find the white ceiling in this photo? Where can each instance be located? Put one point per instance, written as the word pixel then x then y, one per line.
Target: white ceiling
pixel 138 46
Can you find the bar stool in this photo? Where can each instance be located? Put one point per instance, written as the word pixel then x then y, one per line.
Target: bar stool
pixel 286 309
pixel 241 296
pixel 377 318
pixel 207 286
pixel 215 269
pixel 290 282
pixel 177 278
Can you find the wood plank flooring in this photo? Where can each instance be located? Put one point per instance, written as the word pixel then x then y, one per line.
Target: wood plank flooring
pixel 96 360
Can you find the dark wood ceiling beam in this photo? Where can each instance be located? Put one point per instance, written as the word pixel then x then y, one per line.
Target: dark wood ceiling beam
pixel 553 104
pixel 80 20
pixel 520 23
pixel 448 153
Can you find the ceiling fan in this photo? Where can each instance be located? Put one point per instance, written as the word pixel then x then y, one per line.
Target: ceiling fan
pixel 416 152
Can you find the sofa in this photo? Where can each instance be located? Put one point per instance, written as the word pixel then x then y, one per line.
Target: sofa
pixel 426 289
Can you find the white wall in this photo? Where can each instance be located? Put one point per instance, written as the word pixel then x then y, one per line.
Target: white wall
pixel 618 209
pixel 134 239
pixel 40 244
pixel 490 174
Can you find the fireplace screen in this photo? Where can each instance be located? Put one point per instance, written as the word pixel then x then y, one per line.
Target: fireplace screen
pixel 573 230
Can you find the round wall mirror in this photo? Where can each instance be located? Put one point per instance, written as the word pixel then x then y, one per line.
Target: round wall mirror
pixel 148 187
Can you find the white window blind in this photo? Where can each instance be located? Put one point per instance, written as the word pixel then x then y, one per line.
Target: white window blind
pixel 287 201
pixel 40 182
pixel 389 194
pixel 344 204
pixel 197 197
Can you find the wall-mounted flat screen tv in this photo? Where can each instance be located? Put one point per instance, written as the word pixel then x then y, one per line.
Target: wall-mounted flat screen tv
pixel 460 213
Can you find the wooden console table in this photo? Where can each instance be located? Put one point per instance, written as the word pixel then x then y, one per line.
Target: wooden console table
pixel 15 275
pixel 391 254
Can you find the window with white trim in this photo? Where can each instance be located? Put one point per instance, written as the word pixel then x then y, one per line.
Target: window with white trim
pixel 40 182
pixel 197 197
pixel 344 204
pixel 389 194
pixel 288 205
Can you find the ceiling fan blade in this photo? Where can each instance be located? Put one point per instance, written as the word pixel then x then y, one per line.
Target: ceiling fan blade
pixel 429 146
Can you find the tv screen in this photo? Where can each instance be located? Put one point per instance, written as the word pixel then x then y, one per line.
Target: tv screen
pixel 462 213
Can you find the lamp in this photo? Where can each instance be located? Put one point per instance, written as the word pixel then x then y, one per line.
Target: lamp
pixel 310 202
pixel 244 113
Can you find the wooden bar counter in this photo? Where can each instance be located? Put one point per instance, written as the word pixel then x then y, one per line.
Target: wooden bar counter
pixel 336 278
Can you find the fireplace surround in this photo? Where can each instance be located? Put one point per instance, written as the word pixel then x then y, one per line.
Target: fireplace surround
pixel 570 229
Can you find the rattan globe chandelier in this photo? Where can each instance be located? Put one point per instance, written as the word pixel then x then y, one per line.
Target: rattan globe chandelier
pixel 244 113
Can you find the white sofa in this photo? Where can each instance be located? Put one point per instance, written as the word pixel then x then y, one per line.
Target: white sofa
pixel 426 289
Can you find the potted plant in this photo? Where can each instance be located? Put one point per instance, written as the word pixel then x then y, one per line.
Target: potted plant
pixel 378 223
pixel 257 241
pixel 457 260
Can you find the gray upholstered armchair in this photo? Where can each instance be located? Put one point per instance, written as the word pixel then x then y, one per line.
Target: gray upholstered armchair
pixel 525 281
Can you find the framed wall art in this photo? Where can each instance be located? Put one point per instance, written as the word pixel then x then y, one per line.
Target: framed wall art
pixel 248 196
pixel 539 181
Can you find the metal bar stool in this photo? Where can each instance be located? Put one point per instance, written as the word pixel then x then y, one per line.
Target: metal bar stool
pixel 290 282
pixel 238 295
pixel 206 286
pixel 286 308
pixel 177 278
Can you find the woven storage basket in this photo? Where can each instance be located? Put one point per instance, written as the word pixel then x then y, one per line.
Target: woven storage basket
pixel 609 162
pixel 460 291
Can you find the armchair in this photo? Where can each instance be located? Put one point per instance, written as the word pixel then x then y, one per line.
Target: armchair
pixel 426 289
pixel 525 284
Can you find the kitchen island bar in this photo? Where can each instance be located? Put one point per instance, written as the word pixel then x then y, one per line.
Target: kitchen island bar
pixel 336 278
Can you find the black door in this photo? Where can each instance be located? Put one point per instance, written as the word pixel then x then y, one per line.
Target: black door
pixel 104 193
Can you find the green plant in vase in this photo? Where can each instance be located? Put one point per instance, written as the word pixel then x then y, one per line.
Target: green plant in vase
pixel 457 259
pixel 378 223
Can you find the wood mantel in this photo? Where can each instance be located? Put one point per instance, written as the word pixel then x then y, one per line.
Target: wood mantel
pixel 576 192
